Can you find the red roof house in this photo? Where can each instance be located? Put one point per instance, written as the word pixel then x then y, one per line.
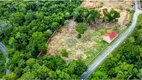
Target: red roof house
pixel 110 36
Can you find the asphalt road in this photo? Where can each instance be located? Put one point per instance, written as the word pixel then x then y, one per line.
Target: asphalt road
pixel 104 55
pixel 3 49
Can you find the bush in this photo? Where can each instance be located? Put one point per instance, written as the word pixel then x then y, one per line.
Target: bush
pixel 78 36
pixel 81 28
pixel 64 53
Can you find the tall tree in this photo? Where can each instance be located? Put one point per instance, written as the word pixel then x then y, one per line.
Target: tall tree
pixel 81 28
pixel 80 13
pixel 38 41
pixel 111 16
pixel 94 15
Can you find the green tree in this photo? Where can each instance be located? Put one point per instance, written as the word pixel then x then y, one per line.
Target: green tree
pixel 99 75
pixel 62 75
pixel 54 26
pixel 94 15
pixel 53 62
pixel 38 41
pixel 11 76
pixel 30 62
pixel 28 76
pixel 80 13
pixel 139 74
pixel 12 42
pixel 48 33
pixel 29 16
pixel 67 15
pixel 42 72
pixel 71 67
pixel 21 7
pixel 111 16
pixel 80 67
pixel 39 15
pixel 18 18
pixel 64 53
pixel 81 28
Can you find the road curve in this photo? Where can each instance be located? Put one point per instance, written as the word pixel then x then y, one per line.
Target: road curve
pixel 3 49
pixel 104 55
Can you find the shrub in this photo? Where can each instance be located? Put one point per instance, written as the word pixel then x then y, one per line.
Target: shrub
pixel 64 53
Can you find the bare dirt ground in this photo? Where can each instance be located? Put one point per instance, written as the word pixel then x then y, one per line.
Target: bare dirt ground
pixel 119 4
pixel 78 48
pixel 122 6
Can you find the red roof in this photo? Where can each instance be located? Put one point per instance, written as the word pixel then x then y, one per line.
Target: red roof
pixel 112 35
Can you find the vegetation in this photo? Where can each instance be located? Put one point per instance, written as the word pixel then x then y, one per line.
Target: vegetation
pixel 93 16
pixel 64 53
pixel 2 65
pixel 81 28
pixel 141 1
pixel 26 28
pixel 47 67
pixel 80 13
pixel 125 61
pixel 111 16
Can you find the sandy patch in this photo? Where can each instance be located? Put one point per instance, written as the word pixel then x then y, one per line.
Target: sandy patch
pixel 122 6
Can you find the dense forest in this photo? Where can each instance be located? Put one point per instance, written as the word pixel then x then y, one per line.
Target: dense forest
pixel 2 64
pixel 25 28
pixel 126 61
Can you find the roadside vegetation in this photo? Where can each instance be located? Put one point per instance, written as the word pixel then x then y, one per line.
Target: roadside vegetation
pixel 2 65
pixel 126 61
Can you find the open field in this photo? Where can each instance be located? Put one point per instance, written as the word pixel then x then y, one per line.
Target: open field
pixel 86 47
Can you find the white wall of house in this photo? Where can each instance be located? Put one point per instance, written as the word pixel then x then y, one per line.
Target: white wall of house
pixel 107 39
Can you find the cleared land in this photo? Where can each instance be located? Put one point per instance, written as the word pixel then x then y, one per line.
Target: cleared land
pixel 122 6
pixel 91 42
pixel 86 47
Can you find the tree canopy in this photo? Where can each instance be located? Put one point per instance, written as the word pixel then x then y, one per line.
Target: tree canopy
pixel 26 27
pixel 111 16
pixel 81 28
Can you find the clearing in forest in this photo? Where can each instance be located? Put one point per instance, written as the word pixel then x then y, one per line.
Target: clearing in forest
pixel 86 47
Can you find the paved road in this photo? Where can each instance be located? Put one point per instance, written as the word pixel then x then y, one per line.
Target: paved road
pixel 3 49
pixel 102 57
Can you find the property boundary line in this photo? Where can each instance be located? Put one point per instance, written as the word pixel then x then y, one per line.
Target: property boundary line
pixel 53 34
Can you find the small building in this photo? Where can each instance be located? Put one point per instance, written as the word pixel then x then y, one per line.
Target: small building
pixel 110 36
